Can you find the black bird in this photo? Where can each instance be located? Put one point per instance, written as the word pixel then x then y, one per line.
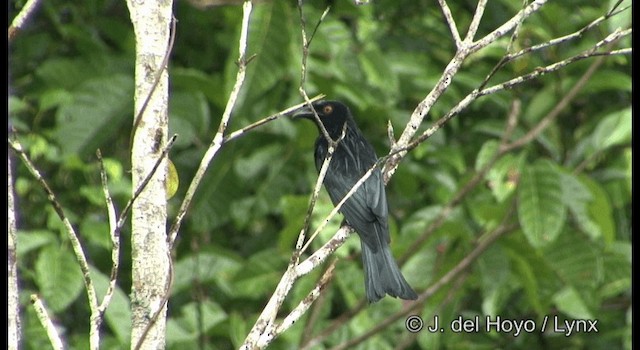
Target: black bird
pixel 366 210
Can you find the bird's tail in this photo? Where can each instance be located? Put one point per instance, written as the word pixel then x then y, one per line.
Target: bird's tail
pixel 382 275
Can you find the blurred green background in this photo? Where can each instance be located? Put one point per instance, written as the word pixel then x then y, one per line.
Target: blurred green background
pixel 71 92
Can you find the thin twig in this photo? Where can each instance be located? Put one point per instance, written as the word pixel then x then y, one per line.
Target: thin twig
pixel 71 233
pixel 305 303
pixel 115 242
pixel 218 139
pixel 475 21
pixel 47 324
pixel 19 21
pixel 163 67
pixel 475 94
pixel 143 184
pixel 451 22
pixel 238 133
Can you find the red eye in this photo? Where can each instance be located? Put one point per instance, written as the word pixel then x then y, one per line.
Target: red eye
pixel 327 109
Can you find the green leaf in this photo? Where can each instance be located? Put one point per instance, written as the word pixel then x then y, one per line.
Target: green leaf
pixel 205 268
pixel 617 267
pixel 608 79
pixel 238 329
pixel 576 196
pixel 540 208
pixel 487 151
pixel 495 271
pixel 189 117
pixel 54 98
pixel 600 209
pixel 503 176
pixel 530 285
pixel 294 209
pixel 377 70
pixel 260 274
pixel 32 240
pixel 17 105
pixel 541 103
pixel 194 320
pixel 250 167
pixel 58 277
pixel 98 109
pixel 578 262
pixel 614 129
pixel 63 73
pixel 118 313
pixel 570 302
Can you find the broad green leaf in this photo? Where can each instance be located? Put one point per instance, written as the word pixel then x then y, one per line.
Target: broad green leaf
pixel 540 104
pixel 487 151
pixel 16 105
pixel 238 329
pixel 58 277
pixel 576 196
pixel 502 178
pixel 600 209
pixel 577 261
pixel 377 70
pixel 495 271
pixel 251 167
pixel 617 267
pixel 260 274
pixel 530 284
pixel 608 79
pixel 189 117
pixel 33 239
pixel 193 320
pixel 570 302
pixel 205 268
pixel 294 209
pixel 540 208
pixel 98 109
pixel 118 313
pixel 63 73
pixel 95 230
pixel 54 98
pixel 614 129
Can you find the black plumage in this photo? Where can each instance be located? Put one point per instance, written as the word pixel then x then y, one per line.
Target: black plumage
pixel 366 210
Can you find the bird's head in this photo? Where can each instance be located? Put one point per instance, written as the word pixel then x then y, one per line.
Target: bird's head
pixel 332 114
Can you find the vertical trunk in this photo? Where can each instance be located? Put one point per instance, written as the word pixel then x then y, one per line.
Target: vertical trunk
pixel 13 304
pixel 150 266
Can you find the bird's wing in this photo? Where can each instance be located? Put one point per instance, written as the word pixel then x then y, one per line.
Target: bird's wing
pixel 366 210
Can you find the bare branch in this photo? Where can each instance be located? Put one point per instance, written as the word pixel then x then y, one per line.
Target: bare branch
pixel 451 22
pixel 218 139
pixel 45 321
pixel 304 304
pixel 71 233
pixel 19 21
pixel 13 301
pixel 114 234
pixel 238 133
pixel 475 21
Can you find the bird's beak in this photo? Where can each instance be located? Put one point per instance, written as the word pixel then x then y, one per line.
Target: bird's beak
pixel 302 112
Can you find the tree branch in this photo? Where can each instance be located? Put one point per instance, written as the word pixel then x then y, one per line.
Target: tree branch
pixel 19 21
pixel 218 139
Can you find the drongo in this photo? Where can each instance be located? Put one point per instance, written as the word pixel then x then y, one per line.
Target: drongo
pixel 366 210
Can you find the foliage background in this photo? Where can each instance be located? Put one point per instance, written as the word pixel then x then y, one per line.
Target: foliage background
pixel 71 89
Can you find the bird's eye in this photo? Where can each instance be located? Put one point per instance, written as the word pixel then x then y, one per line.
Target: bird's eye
pixel 327 109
